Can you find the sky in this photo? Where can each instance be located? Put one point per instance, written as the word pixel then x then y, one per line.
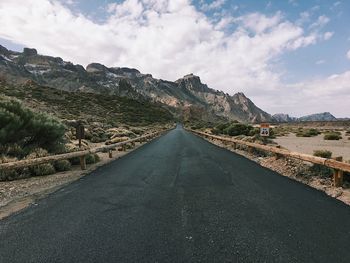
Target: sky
pixel 288 56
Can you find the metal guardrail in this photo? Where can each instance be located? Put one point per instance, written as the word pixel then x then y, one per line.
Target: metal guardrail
pixel 338 166
pixel 82 154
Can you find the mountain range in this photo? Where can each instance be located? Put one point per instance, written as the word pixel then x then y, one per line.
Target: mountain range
pixel 324 116
pixel 188 98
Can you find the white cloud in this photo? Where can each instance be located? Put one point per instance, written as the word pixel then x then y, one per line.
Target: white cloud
pixel 321 22
pixel 171 38
pixel 348 54
pixel 328 35
pixel 304 17
pixel 213 5
pixel 320 62
pixel 318 95
pixel 258 22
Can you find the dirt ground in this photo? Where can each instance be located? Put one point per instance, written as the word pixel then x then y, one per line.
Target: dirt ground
pixel 309 144
pixel 18 194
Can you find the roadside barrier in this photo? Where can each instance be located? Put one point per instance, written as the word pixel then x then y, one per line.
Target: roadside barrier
pixel 337 164
pixel 81 154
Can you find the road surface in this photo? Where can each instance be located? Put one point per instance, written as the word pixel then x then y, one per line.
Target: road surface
pixel 180 199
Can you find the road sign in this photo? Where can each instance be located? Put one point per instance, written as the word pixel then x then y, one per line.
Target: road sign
pixel 264 130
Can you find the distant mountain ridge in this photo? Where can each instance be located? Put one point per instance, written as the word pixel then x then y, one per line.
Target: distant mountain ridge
pixel 188 96
pixel 324 116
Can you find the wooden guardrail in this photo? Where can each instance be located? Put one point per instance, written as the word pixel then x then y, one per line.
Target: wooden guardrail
pixel 338 166
pixel 82 154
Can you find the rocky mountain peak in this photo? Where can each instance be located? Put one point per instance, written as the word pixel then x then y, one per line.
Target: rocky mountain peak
pixel 30 52
pixel 96 67
pixel 241 98
pixel 125 71
pixel 192 82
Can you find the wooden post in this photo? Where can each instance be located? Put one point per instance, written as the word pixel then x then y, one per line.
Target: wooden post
pixel 338 174
pixel 80 133
pixel 82 162
pixel 110 154
pixel 250 150
pixel 277 156
pixel 234 146
pixel 124 147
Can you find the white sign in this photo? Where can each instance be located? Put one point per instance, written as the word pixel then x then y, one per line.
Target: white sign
pixel 265 130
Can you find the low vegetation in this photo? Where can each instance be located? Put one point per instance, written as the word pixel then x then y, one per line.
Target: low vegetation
pixel 104 108
pixel 307 132
pixel 27 134
pixel 323 153
pixel 234 129
pixel 333 135
pixel 22 130
pixel 62 165
pixel 320 169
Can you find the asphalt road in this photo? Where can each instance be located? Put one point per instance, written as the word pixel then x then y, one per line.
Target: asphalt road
pixel 180 199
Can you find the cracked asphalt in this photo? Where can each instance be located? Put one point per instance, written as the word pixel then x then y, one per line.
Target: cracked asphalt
pixel 180 199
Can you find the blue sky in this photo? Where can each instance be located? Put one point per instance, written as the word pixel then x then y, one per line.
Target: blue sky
pixel 288 56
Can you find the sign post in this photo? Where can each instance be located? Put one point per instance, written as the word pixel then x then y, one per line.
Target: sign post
pixel 264 129
pixel 80 133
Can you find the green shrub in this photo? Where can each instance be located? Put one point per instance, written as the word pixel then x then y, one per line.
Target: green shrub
pixel 62 165
pixel 92 158
pixel 307 133
pixel 219 129
pixel 238 129
pixel 42 169
pixel 253 132
pixel 97 158
pixel 74 161
pixel 320 169
pixel 7 175
pixel 323 153
pixel 332 136
pixel 26 128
